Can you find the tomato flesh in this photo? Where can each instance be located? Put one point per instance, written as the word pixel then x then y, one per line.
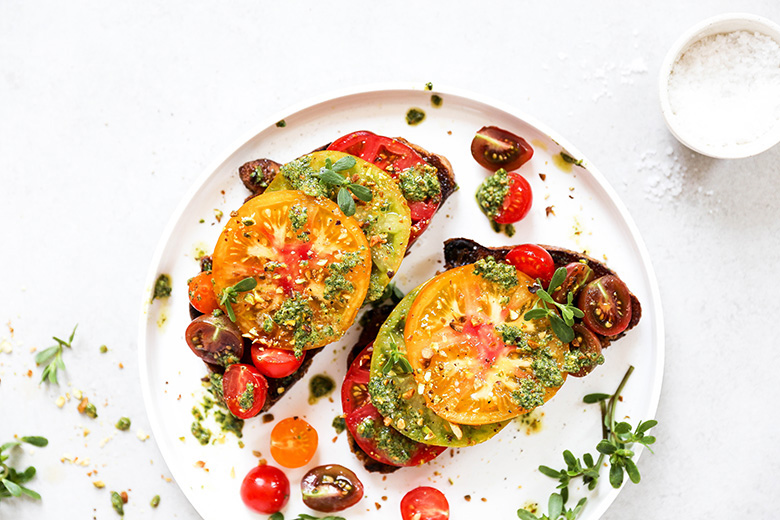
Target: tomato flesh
pixel 265 489
pixel 201 293
pixel 331 488
pixel 587 344
pixel 517 202
pixel 578 275
pixel 425 503
pixel 532 260
pixel 354 391
pixel 293 442
pixel 275 362
pixel 245 390
pixel 495 148
pixel 606 303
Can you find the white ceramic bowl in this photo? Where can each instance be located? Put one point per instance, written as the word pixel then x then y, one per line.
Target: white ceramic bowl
pixel 724 23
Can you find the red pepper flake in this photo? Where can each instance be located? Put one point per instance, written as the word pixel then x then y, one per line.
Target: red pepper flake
pixel 378 506
pixel 543 176
pixel 549 210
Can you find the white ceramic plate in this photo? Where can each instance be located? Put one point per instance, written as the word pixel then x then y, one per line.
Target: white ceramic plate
pixel 500 475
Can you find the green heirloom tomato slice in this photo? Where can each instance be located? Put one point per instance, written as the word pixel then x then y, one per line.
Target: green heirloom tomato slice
pixel 385 220
pixel 394 391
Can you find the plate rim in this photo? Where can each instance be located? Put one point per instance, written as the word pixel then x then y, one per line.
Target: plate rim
pixel 389 88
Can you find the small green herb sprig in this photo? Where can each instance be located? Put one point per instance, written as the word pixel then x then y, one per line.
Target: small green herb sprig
pixel 617 440
pixel 545 307
pixel 11 480
pixel 52 358
pixel 329 175
pixel 396 359
pixel 229 295
pixel 304 516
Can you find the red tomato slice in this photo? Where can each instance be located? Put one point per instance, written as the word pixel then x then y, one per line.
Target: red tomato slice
pixel 354 391
pixel 425 503
pixel 517 202
pixel 275 362
pixel 394 157
pixel 244 401
pixel 533 260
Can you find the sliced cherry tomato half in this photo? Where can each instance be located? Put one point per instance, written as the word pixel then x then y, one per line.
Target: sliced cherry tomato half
pixel 293 442
pixel 389 154
pixel 586 348
pixel 244 389
pixel 290 244
pixel 532 260
pixel 606 303
pixel 215 339
pixel 496 148
pixel 331 488
pixel 517 202
pixel 384 443
pixel 578 275
pixel 425 503
pixel 275 362
pixel 472 350
pixel 265 489
pixel 354 391
pixel 201 292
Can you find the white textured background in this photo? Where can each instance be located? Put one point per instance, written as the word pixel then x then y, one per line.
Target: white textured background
pixel 108 111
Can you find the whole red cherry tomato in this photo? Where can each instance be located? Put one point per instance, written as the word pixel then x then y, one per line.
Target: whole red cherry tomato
pixel 496 148
pixel 244 389
pixel 425 503
pixel 265 489
pixel 275 362
pixel 517 202
pixel 201 292
pixel 532 260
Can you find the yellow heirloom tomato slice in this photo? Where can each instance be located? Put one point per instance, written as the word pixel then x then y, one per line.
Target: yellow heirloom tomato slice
pixel 475 358
pixel 311 263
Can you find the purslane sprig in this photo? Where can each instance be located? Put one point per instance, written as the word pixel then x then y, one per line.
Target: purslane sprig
pixel 545 308
pixel 329 174
pixel 229 295
pixel 396 360
pixel 617 440
pixel 556 510
pixel 11 480
pixel 52 358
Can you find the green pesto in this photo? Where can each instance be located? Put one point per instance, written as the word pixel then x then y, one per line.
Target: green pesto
pixel 396 447
pixel 258 177
pixel 436 100
pixel 162 287
pixel 202 434
pixel 215 389
pixel 419 182
pixel 339 424
pixel 336 282
pixel 281 124
pixel 298 216
pixel 247 399
pixel 300 174
pixel 123 424
pixel 576 360
pixel 571 160
pixel 414 116
pixel 229 422
pixel 529 395
pixel 508 229
pixel 319 386
pixel 268 324
pixel 155 501
pixel 504 275
pixel 514 336
pixel 546 369
pixel 117 503
pixel 296 314
pixel 492 192
pixel 197 413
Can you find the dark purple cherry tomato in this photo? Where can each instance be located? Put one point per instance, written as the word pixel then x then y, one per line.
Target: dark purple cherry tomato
pixel 496 148
pixel 331 488
pixel 244 390
pixel 587 347
pixel 606 303
pixel 215 339
pixel 265 489
pixel 577 276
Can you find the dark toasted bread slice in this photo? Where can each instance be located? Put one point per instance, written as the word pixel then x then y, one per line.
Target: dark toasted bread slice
pixel 462 251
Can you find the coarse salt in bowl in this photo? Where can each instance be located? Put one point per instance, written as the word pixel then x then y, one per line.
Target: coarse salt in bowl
pixel 720 86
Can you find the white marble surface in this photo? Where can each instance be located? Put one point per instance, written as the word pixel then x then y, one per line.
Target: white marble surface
pixel 108 111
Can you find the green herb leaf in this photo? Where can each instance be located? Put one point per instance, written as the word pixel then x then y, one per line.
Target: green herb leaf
pixel 548 471
pixel 615 475
pixel 595 398
pixel 247 284
pixel 345 163
pixel 606 447
pixel 557 279
pixel 632 470
pixel 544 296
pixel 526 515
pixel 555 506
pixel 30 493
pixel 642 427
pixel 559 327
pixel 9 445
pixel 345 202
pixel 12 487
pixel 536 314
pixel 276 516
pixel 330 177
pixel 46 355
pixel 361 192
pixel 36 441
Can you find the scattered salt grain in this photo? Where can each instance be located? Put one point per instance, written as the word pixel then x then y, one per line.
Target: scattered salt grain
pixel 725 89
